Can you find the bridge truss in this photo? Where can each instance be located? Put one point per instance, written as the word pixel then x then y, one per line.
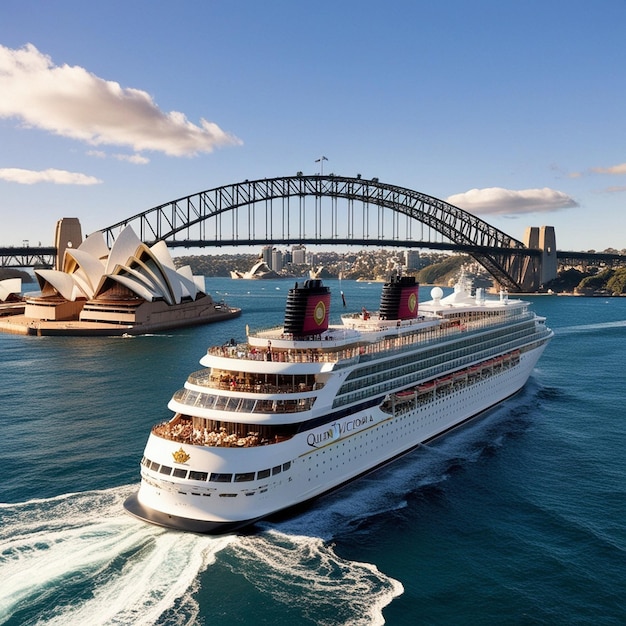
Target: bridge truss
pixel 28 257
pixel 323 209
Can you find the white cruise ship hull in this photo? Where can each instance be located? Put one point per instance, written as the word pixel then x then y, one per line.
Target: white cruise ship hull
pixel 311 463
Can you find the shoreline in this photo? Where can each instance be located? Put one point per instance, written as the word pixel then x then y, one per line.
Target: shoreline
pixel 21 325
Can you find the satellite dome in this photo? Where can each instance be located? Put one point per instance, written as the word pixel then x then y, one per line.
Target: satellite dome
pixel 436 293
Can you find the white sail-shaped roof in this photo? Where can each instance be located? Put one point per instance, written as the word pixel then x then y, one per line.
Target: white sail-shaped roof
pixel 136 286
pixel 171 288
pixel 174 284
pixel 185 272
pixel 188 288
pixel 199 280
pixel 148 272
pixel 82 285
pixel 151 269
pixel 86 269
pixel 162 253
pixel 95 246
pixel 10 286
pixel 124 247
pixel 141 276
pixel 61 282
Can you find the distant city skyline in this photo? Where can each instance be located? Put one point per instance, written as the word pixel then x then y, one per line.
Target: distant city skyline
pixel 513 112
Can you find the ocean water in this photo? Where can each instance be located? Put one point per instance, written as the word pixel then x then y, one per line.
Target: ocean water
pixel 518 518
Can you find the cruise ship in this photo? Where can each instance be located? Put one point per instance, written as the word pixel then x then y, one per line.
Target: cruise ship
pixel 302 409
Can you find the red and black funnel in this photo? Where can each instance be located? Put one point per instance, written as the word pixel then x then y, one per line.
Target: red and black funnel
pixel 398 300
pixel 307 310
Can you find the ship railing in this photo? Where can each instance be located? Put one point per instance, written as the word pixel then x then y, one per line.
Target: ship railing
pixel 392 346
pixel 521 340
pixel 183 431
pixel 398 342
pixel 204 378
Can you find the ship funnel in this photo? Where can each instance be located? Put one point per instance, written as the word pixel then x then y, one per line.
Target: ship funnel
pixel 307 310
pixel 398 300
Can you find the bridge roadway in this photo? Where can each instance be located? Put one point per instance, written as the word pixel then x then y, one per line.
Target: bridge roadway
pixel 28 256
pixel 45 256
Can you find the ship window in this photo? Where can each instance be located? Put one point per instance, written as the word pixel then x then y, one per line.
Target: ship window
pixel 286 465
pixel 276 470
pixel 228 495
pixel 263 474
pixel 154 466
pixel 246 406
pixel 241 478
pixel 221 478
pixel 180 473
pixel 198 475
pixel 165 470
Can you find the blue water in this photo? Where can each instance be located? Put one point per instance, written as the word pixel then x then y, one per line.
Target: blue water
pixel 519 518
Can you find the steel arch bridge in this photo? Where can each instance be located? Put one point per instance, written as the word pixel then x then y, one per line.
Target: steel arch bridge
pixel 336 210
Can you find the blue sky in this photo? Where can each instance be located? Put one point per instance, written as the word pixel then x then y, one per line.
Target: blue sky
pixel 513 111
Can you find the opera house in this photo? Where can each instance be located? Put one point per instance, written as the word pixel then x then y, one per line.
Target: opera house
pixel 131 288
pixel 260 270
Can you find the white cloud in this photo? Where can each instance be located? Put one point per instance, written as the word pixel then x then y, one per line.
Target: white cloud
pixel 72 102
pixel 137 159
pixel 499 201
pixel 614 169
pixel 58 177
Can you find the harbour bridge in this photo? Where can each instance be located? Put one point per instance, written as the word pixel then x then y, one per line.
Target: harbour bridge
pixel 338 210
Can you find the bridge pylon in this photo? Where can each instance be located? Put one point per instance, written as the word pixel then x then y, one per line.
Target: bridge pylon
pixel 68 234
pixel 545 267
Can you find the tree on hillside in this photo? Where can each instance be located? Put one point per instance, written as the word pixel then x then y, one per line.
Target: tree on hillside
pixel 617 283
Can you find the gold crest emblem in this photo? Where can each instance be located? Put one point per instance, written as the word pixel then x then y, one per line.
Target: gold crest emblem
pixel 180 456
pixel 319 313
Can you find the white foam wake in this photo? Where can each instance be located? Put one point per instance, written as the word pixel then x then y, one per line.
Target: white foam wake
pixel 581 328
pixel 304 573
pixel 79 559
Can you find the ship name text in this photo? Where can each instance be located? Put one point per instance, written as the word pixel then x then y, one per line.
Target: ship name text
pixel 337 430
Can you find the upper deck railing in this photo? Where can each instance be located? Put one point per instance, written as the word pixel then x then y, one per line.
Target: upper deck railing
pixel 390 344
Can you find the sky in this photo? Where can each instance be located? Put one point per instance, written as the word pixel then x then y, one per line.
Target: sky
pixel 513 111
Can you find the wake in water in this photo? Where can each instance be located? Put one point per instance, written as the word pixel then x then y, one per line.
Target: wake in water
pixel 79 559
pixel 304 573
pixel 600 326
